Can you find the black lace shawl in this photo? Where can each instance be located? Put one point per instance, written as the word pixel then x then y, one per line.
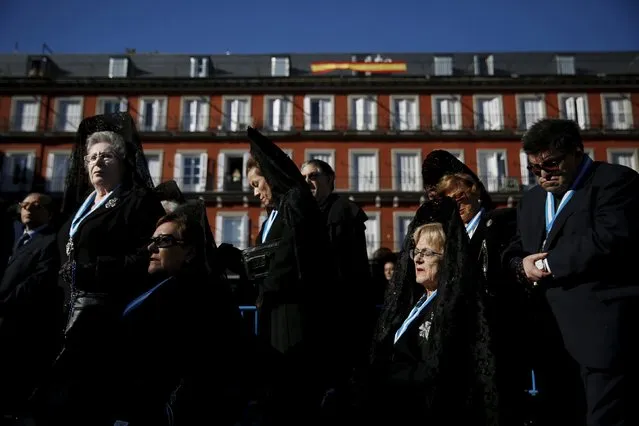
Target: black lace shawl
pixel 439 163
pixel 460 368
pixel 77 184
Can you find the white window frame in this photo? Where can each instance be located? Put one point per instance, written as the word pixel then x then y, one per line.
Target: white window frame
pixel 633 151
pixel 460 151
pixel 352 180
pixel 605 97
pixel 441 66
pixel 437 119
pixel 288 126
pixel 6 184
pixel 529 96
pixel 56 118
pixel 412 98
pixel 480 175
pixel 561 100
pixel 396 170
pixel 206 115
pixel 590 151
pixel 567 61
pixel 112 66
pixel 160 154
pixel 476 102
pixel 308 155
pixel 49 168
pixel 178 164
pixel 274 60
pixel 366 126
pixel 195 71
pixel 219 226
pixel 227 122
pixel 289 152
pixel 220 166
pixel 161 127
pixel 307 112
pixel 32 99
pixel 122 100
pixel 377 215
pixel 527 180
pixel 397 216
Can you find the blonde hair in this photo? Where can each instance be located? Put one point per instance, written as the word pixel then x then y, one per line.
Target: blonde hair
pixel 433 233
pixel 459 181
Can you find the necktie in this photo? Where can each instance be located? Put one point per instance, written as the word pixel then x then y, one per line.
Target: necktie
pixel 24 238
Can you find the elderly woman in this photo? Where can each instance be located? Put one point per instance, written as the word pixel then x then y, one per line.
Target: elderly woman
pixel 432 357
pixel 112 214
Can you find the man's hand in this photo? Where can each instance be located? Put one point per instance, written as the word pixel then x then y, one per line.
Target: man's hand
pixel 533 273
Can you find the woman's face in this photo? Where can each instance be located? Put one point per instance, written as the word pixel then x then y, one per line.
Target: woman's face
pixel 389 268
pixel 467 203
pixel 168 253
pixel 104 166
pixel 261 188
pixel 427 259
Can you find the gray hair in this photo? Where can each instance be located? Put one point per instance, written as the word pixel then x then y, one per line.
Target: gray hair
pixel 112 138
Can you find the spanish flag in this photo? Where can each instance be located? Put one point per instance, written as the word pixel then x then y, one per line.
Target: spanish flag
pixel 372 67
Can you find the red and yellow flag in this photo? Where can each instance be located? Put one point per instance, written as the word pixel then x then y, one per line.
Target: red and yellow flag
pixel 372 67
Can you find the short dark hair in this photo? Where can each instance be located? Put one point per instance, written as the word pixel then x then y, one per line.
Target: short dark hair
pixel 552 134
pixel 324 168
pixel 251 163
pixel 189 230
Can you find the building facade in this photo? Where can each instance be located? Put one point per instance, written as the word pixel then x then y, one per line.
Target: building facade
pixel 373 117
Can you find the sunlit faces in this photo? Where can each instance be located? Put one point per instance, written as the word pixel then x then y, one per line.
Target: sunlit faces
pixel 319 183
pixel 555 171
pixel 168 252
pixel 261 188
pixel 103 165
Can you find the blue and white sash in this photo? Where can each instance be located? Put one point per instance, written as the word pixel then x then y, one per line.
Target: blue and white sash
pixel 268 224
pixel 85 210
pixel 471 226
pixel 417 310
pixel 138 300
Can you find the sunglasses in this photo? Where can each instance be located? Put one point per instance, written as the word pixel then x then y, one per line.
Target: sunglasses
pixel 165 241
pixel 548 166
pixel 417 253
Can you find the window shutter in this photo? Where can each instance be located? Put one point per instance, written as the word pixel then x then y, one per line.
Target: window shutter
pixel 245 182
pixel 177 170
pixel 204 162
pixel 221 167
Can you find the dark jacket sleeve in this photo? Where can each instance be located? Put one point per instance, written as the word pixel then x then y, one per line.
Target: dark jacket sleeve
pixel 514 252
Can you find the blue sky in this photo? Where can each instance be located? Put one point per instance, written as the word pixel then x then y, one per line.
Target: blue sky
pixel 271 26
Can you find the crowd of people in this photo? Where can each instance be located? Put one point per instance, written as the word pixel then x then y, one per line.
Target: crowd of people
pixel 117 310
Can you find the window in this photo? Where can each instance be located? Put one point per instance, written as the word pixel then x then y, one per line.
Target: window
pixel 530 109
pixel 364 170
pixel 232 228
pixel 155 159
pixel 362 112
pixel 68 114
pixel 624 157
pixel 404 113
pixel 118 67
pixel 373 233
pixel 492 168
pixel 195 114
pixel 152 114
pixel 443 65
pixel 280 66
pixel 26 114
pixel 57 168
pixel 528 178
pixel 199 67
pixel 112 105
pixel 237 113
pixel 17 171
pixel 190 171
pixel 401 221
pixel 318 113
pixel 590 152
pixel 38 67
pixel 231 171
pixel 484 65
pixel 327 155
pixel 407 169
pixel 279 113
pixel 489 113
pixel 447 112
pixel 574 107
pixel 565 65
pixel 617 111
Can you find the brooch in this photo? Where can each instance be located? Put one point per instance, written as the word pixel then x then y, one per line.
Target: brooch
pixel 424 330
pixel 111 203
pixel 489 223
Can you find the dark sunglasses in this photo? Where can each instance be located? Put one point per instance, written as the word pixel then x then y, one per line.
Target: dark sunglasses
pixel 548 166
pixel 313 176
pixel 165 241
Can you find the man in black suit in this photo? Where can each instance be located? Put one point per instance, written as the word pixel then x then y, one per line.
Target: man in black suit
pixel 30 307
pixel 577 236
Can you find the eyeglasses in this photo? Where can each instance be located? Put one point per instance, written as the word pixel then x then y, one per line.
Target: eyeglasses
pixel 313 176
pixel 30 206
pixel 552 165
pixel 417 253
pixel 106 157
pixel 165 241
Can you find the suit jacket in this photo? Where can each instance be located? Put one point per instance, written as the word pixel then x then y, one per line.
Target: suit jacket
pixel 30 314
pixel 591 247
